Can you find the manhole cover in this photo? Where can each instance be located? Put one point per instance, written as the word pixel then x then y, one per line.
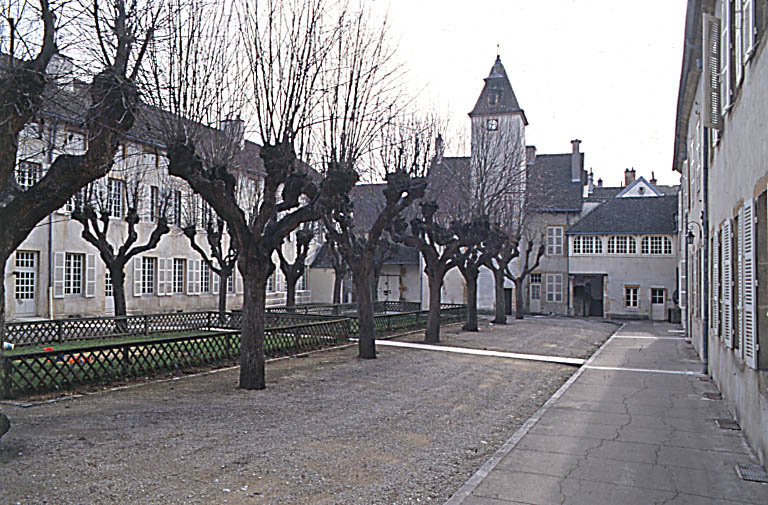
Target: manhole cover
pixel 727 424
pixel 752 472
pixel 712 396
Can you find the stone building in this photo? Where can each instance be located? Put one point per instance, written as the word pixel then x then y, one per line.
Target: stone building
pixel 721 151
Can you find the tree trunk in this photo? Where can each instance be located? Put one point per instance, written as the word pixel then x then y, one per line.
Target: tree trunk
pixel 338 278
pixel 519 298
pixel 501 305
pixel 290 295
pixel 3 261
pixel 255 274
pixel 432 335
pixel 374 285
pixel 117 273
pixel 366 344
pixel 223 292
pixel 470 275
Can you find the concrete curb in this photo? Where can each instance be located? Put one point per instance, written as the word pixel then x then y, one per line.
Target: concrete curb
pixel 470 485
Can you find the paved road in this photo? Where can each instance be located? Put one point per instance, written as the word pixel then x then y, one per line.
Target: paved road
pixel 619 436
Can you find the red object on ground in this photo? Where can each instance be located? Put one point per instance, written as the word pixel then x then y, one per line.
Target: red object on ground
pixel 47 348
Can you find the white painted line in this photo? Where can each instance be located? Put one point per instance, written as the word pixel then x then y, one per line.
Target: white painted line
pixel 474 481
pixel 482 352
pixel 676 331
pixel 645 370
pixel 649 338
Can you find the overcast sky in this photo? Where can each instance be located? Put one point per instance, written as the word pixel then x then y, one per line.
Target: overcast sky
pixel 603 71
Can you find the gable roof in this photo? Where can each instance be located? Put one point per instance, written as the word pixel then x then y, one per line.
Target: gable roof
pixel 602 193
pixel 398 254
pixel 630 216
pixel 497 96
pixel 637 182
pixel 551 184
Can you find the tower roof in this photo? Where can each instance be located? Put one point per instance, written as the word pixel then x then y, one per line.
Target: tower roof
pixel 497 96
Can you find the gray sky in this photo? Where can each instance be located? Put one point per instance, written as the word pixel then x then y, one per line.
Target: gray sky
pixel 603 71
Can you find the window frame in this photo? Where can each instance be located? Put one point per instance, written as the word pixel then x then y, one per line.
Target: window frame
pixel 631 294
pixel 74 272
pixel 555 239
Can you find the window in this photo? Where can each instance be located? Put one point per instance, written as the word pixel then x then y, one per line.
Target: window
pixel 492 125
pixel 622 244
pixel 148 268
pixel 70 142
pixel 555 288
pixel 271 283
pixel 301 284
pixel 115 188
pixel 231 282
pixel 554 240
pixel 205 278
pixel 24 285
pixel 154 203
pixel 656 245
pixel 587 244
pixel 535 278
pixel 109 288
pixel 73 274
pixel 657 295
pixel 178 275
pixel 630 296
pixel 174 209
pixel 28 173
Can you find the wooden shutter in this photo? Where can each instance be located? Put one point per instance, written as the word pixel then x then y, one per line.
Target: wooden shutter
pixel 739 302
pixel 738 48
pixel 749 320
pixel 190 277
pixel 137 269
pixel 58 275
pixel 715 296
pixel 169 281
pixel 727 286
pixel 711 70
pixel 215 281
pixel 725 57
pixel 749 28
pixel 161 276
pixel 90 275
pixel 198 270
pixel 238 281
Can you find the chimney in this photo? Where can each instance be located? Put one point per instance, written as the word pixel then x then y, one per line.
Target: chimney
pixel 653 178
pixel 439 146
pixel 60 69
pixel 629 176
pixel 590 183
pixel 530 155
pixel 600 183
pixel 575 161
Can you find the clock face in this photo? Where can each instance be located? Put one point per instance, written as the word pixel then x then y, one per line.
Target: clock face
pixel 492 124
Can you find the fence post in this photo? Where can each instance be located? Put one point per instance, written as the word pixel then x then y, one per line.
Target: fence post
pixel 5 378
pixel 146 324
pixel 59 331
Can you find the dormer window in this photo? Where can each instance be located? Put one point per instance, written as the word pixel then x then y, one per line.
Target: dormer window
pixel 492 125
pixel 494 97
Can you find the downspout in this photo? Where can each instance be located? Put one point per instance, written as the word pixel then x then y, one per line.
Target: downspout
pixel 705 254
pixel 51 140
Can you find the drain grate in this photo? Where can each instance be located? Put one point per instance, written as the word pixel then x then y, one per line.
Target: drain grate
pixel 727 424
pixel 754 473
pixel 713 396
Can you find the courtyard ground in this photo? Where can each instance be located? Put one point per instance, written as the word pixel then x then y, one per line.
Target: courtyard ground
pixel 408 427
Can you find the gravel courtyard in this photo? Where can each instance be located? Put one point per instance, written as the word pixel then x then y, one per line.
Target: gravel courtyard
pixel 408 427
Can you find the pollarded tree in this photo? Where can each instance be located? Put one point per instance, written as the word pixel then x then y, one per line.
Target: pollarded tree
pixel 530 256
pixel 294 270
pixel 105 205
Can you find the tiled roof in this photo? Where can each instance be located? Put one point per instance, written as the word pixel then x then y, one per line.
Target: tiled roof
pixel 397 255
pixel 551 186
pixel 497 96
pixel 630 215
pixel 602 193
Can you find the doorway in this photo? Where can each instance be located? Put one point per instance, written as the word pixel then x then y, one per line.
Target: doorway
pixel 534 295
pixel 25 283
pixel 588 295
pixel 658 304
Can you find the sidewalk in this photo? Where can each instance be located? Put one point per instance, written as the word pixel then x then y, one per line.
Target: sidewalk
pixel 624 437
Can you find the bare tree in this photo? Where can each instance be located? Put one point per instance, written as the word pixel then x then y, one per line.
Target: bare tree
pixel 533 245
pixel 293 270
pixel 102 203
pixel 339 265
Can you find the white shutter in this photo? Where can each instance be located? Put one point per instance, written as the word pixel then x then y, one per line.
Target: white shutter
pixel 238 281
pixel 727 287
pixel 160 276
pixel 738 51
pixel 190 277
pixel 749 323
pixel 215 281
pixel 739 302
pixel 715 296
pixel 196 272
pixel 725 57
pixel 137 268
pixel 711 27
pixel 90 275
pixel 749 28
pixel 169 284
pixel 58 275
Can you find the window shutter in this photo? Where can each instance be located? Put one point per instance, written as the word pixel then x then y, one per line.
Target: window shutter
pixel 749 28
pixel 683 287
pixel 90 275
pixel 711 69
pixel 137 270
pixel 238 281
pixel 58 275
pixel 190 277
pixel 725 57
pixel 739 302
pixel 738 46
pixel 727 287
pixel 215 281
pixel 715 296
pixel 749 323
pixel 169 281
pixel 160 276
pixel 198 271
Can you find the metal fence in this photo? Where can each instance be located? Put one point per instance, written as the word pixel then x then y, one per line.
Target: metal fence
pixel 89 362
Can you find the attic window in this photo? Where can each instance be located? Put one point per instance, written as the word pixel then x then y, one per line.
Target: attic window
pixel 494 97
pixel 641 190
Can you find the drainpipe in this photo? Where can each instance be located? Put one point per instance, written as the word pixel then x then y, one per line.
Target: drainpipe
pixel 705 254
pixel 51 140
pixel 685 319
